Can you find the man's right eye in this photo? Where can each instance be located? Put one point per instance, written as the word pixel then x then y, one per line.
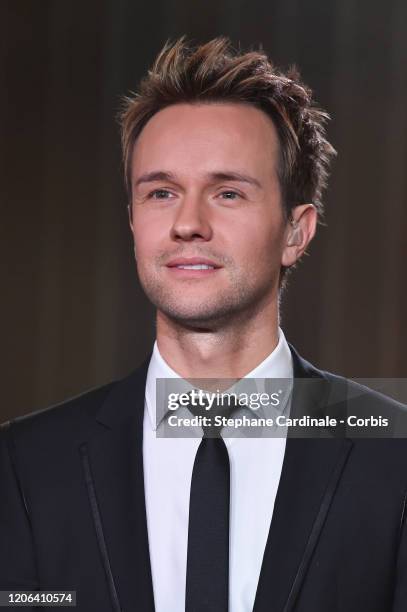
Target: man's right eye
pixel 160 194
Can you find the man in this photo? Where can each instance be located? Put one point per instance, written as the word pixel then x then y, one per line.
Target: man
pixel 225 160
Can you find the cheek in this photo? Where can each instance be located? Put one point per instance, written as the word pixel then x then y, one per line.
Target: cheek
pixel 258 241
pixel 149 233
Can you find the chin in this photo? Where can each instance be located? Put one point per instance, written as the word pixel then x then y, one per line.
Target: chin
pixel 206 310
pixel 203 316
pixel 192 317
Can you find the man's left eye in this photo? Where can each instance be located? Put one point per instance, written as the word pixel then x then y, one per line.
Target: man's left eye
pixel 230 195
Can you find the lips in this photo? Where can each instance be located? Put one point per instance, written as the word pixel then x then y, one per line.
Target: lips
pixel 193 263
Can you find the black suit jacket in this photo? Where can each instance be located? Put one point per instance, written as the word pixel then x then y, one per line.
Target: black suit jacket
pixel 73 517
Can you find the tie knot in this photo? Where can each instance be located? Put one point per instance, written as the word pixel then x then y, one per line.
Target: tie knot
pixel 214 409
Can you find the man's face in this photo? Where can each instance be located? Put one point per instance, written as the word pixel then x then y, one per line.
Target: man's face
pixel 208 222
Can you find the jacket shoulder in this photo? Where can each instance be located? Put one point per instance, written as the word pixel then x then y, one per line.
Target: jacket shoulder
pixel 68 416
pixel 341 388
pixel 355 392
pixel 75 418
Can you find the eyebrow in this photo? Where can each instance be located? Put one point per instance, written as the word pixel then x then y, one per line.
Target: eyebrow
pixel 150 177
pixel 160 175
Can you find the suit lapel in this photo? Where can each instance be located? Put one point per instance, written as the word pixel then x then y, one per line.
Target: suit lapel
pixel 113 466
pixel 310 474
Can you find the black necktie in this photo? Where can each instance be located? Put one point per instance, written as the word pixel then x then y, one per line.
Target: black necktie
pixel 207 579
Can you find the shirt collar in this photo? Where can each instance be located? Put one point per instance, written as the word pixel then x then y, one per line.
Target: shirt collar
pixel 277 365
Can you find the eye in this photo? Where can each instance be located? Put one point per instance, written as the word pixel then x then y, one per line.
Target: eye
pixel 160 194
pixel 229 195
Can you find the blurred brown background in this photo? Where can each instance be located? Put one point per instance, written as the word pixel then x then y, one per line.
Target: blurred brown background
pixel 73 314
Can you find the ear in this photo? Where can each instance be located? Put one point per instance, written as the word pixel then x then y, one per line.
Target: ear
pixel 300 231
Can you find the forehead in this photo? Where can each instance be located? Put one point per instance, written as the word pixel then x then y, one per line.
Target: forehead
pixel 191 137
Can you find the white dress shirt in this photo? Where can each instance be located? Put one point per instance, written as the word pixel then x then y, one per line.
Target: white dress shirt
pixel 255 469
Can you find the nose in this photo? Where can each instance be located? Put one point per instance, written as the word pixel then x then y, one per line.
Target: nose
pixel 191 221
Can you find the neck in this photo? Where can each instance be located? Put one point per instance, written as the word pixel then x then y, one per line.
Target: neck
pixel 229 351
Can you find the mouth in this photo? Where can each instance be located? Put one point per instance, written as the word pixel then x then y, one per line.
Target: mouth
pixel 192 266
